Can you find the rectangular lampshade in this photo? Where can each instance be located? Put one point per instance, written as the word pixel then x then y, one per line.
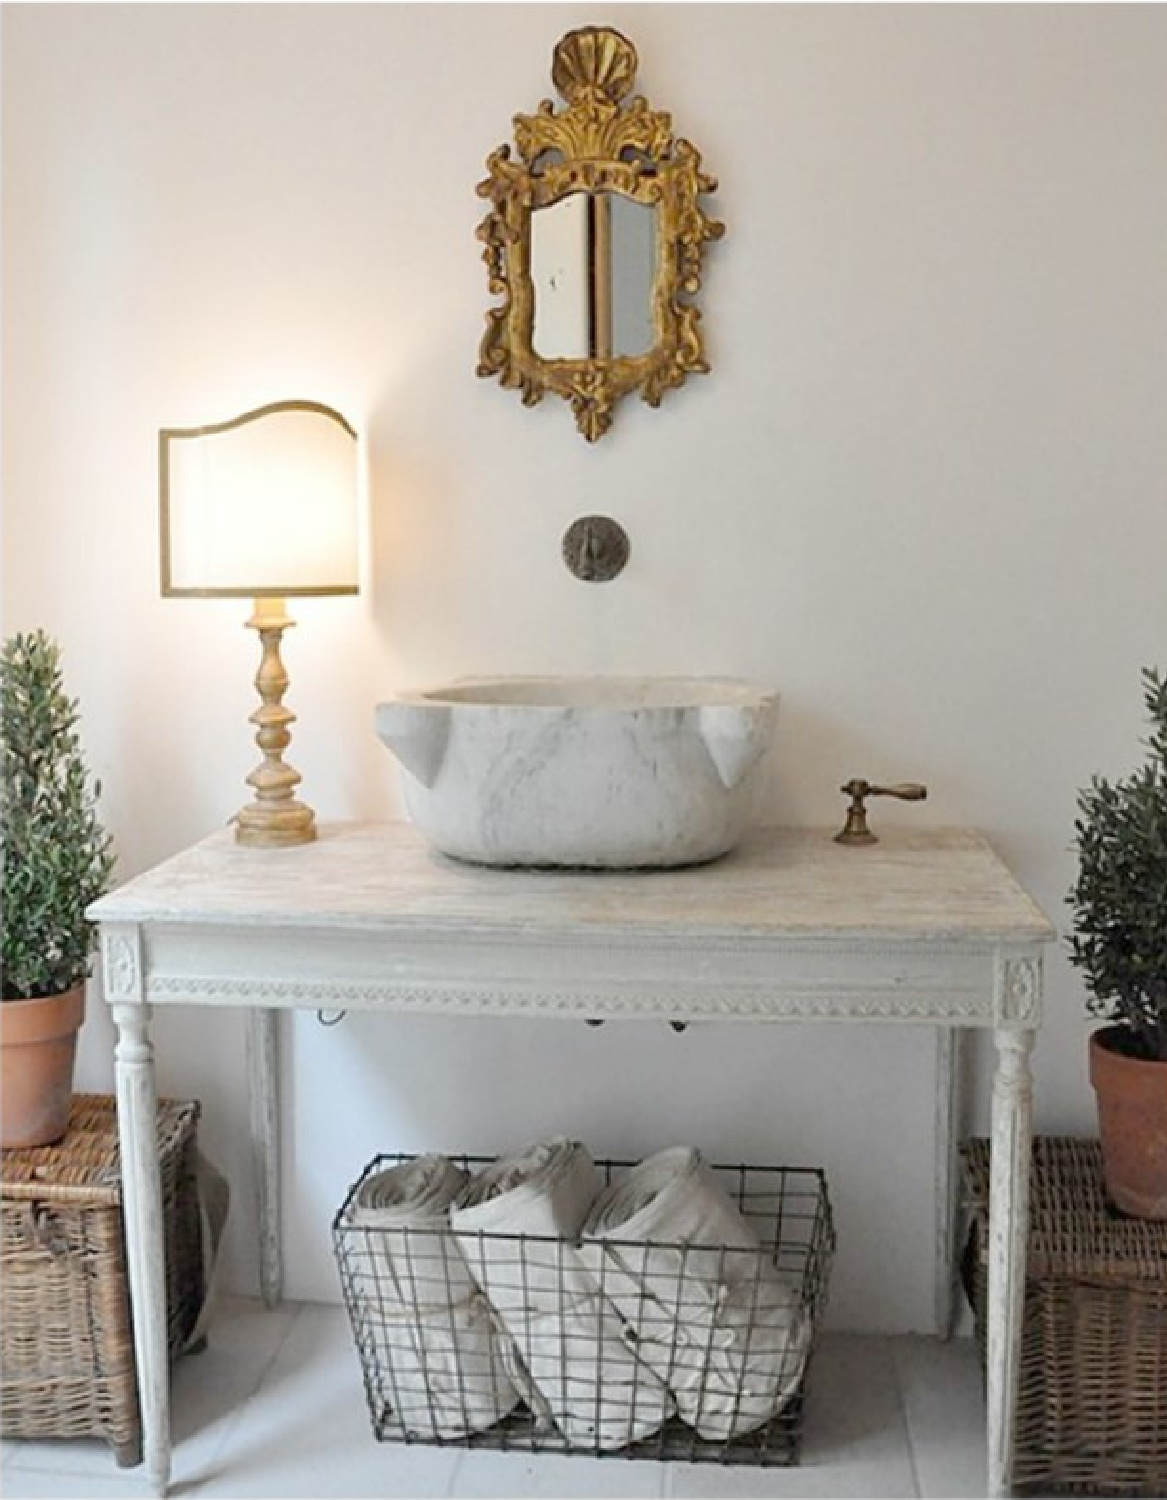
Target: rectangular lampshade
pixel 265 504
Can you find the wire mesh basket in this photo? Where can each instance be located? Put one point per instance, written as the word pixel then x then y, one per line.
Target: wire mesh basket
pixel 638 1348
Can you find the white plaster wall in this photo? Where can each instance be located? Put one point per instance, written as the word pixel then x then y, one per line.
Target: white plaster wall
pixel 922 491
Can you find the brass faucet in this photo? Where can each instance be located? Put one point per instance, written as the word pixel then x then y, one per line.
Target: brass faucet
pixel 855 830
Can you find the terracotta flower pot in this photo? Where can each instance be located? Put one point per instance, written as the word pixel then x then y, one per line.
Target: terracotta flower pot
pixel 38 1045
pixel 1132 1122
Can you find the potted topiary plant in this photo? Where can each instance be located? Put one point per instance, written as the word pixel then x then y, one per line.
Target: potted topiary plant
pixel 1119 941
pixel 57 859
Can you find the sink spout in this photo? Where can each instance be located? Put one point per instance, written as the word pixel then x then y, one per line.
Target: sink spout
pixel 735 737
pixel 417 733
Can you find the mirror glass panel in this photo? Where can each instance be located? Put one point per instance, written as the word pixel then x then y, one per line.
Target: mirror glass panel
pixel 593 256
pixel 632 268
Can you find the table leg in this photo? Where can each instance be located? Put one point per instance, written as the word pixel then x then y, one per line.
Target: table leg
pixel 263 1067
pixel 1008 1243
pixel 137 1109
pixel 946 1179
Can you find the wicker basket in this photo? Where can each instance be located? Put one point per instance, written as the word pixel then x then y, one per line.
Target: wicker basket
pixel 1092 1403
pixel 788 1207
pixel 68 1356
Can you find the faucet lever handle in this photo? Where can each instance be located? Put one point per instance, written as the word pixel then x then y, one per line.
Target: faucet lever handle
pixel 906 791
pixel 855 830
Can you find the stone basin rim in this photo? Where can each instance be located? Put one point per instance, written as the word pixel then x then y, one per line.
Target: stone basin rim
pixel 610 694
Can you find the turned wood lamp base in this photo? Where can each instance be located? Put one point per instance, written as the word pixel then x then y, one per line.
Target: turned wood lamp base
pixel 275 819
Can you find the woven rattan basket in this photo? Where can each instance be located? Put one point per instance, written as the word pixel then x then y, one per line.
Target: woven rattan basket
pixel 1092 1404
pixel 68 1357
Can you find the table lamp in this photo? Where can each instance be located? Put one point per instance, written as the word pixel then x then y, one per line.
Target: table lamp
pixel 263 506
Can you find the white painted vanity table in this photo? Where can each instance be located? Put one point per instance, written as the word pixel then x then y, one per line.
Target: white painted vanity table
pixel 924 927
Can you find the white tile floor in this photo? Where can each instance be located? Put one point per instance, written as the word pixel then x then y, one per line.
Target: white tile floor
pixel 275 1407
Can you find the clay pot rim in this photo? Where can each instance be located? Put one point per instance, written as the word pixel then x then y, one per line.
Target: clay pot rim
pixel 54 995
pixel 1104 1038
pixel 34 1016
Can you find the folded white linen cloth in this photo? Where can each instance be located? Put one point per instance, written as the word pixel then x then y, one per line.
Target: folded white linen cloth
pixel 712 1314
pixel 516 1224
pixel 449 1364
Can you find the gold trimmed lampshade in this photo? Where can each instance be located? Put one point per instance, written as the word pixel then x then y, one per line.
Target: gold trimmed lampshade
pixel 263 506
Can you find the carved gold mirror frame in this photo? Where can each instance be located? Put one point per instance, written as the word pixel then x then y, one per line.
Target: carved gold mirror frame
pixel 597 145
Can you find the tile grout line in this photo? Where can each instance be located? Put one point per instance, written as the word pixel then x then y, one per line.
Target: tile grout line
pixel 456 1474
pixel 230 1427
pixel 901 1399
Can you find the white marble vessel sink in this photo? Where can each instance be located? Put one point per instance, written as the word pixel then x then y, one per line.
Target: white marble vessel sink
pixel 602 772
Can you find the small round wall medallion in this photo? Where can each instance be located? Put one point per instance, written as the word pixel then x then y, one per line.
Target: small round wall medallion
pixel 595 548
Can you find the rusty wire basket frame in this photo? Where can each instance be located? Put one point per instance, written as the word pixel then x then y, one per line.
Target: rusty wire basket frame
pixel 790 1209
pixel 1092 1399
pixel 68 1354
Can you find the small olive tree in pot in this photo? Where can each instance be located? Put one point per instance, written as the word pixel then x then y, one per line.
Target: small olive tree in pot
pixel 1119 941
pixel 57 859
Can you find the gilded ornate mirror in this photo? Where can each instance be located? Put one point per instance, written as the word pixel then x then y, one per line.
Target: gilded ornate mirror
pixel 594 242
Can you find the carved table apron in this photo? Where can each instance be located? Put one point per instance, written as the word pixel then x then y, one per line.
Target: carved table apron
pixel 926 927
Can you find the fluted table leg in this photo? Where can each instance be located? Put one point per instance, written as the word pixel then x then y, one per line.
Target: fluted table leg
pixel 1008 1240
pixel 137 1107
pixel 263 1076
pixel 947 1096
